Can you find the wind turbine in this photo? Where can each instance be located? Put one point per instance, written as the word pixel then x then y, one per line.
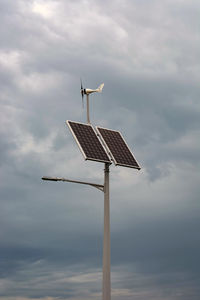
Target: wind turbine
pixel 87 92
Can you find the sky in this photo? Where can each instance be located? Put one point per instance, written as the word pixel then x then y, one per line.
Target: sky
pixel 147 53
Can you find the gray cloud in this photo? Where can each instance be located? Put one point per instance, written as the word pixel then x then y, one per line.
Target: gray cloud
pixel 147 54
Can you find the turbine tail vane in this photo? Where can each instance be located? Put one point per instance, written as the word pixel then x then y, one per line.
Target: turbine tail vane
pixel 100 88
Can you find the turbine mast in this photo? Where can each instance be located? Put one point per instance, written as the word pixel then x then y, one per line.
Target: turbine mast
pixel 88 109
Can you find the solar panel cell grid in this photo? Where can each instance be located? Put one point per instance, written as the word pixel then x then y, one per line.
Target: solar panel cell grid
pixel 118 148
pixel 88 142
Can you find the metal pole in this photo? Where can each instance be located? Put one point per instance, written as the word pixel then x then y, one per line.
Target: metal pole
pixel 106 242
pixel 96 185
pixel 88 110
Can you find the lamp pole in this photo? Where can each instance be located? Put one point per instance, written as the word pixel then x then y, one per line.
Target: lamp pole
pixel 106 240
pixel 106 287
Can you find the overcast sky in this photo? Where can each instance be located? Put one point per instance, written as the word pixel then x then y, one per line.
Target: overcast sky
pixel 147 53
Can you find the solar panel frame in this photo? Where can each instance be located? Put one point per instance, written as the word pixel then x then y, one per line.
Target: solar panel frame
pixel 81 148
pixel 135 166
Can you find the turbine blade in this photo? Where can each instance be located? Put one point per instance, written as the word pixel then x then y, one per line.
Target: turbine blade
pixel 82 93
pixel 81 84
pixel 82 100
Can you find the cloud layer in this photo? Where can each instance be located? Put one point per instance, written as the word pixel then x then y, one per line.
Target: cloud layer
pixel 147 54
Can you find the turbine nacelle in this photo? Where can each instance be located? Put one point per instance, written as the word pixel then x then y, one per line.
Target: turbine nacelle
pixel 90 91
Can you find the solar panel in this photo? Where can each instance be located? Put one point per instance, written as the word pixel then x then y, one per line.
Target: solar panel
pixel 88 142
pixel 118 148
